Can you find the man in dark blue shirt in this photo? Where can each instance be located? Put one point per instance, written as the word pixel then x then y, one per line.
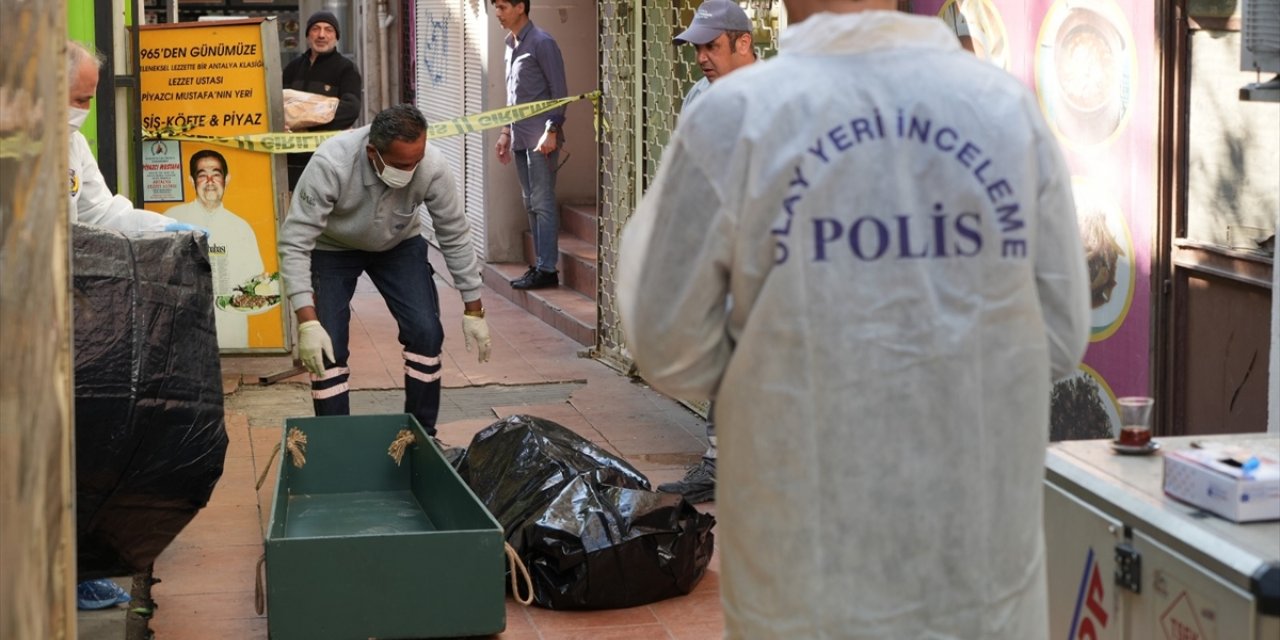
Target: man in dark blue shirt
pixel 535 71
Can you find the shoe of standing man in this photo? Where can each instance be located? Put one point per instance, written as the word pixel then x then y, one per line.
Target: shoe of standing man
pixel 538 279
pixel 524 278
pixel 698 485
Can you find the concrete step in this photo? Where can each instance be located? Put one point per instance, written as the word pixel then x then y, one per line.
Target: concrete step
pixel 580 220
pixel 577 262
pixel 569 311
pixel 571 308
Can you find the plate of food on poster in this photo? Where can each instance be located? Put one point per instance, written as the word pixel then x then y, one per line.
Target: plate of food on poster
pixel 258 294
pixel 1109 256
pixel 1085 70
pixel 1082 407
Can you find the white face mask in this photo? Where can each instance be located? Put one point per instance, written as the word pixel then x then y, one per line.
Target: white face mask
pixel 78 116
pixel 393 177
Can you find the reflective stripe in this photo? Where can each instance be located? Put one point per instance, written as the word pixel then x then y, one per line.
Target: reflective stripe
pixel 418 375
pixel 322 394
pixel 331 373
pixel 426 360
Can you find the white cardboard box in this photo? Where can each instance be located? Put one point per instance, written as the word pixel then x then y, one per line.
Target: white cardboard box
pixel 1214 481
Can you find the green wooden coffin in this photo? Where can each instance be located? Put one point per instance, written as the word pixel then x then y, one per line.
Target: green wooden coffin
pixel 360 547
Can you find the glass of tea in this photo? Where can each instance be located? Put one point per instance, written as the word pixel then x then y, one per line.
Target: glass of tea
pixel 1135 420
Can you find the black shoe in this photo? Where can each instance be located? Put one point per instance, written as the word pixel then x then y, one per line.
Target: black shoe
pixel 539 280
pixel 523 281
pixel 698 485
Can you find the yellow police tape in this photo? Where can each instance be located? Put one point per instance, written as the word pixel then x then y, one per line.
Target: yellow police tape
pixel 309 141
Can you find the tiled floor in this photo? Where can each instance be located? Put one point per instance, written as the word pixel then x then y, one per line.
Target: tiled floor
pixel 208 573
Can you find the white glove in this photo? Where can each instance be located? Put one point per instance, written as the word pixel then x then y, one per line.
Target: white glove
pixel 476 330
pixel 313 344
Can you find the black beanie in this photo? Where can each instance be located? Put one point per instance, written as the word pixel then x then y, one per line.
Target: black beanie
pixel 324 16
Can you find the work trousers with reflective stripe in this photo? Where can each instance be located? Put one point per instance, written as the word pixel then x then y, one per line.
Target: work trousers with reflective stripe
pixel 404 278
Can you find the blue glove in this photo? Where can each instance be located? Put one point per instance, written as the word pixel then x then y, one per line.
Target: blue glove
pixel 182 226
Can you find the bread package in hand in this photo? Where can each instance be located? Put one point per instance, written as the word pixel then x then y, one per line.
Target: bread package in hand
pixel 303 110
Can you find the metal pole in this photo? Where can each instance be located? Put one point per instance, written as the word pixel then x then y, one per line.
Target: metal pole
pixel 637 85
pixel 104 30
pixel 130 81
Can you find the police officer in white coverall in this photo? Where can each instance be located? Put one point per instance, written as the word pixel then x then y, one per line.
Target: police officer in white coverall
pixel 892 222
pixel 91 199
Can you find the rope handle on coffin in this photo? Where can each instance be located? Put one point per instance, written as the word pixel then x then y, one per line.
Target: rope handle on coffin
pixel 514 563
pixel 296 443
pixel 398 446
pixel 259 590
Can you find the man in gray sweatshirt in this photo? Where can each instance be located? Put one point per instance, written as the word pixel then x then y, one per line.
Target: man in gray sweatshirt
pixel 354 211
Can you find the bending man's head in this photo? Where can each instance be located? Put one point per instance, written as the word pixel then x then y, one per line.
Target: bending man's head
pixel 397 138
pixel 209 177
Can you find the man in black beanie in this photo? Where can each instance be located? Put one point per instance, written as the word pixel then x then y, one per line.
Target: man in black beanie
pixel 325 71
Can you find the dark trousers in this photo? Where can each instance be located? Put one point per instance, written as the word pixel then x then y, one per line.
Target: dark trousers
pixel 404 278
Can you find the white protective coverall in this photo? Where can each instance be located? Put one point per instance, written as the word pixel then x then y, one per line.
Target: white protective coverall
pixel 92 201
pixel 893 224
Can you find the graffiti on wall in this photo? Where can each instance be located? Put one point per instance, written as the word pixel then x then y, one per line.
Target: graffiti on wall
pixel 436 48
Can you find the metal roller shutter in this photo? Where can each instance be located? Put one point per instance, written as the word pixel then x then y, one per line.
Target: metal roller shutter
pixel 439 81
pixel 476 40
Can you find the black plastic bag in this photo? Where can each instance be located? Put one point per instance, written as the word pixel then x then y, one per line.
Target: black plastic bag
pixel 599 546
pixel 150 436
pixel 584 521
pixel 517 466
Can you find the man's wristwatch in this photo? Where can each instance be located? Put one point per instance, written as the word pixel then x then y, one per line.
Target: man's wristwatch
pixel 551 128
pixel 479 313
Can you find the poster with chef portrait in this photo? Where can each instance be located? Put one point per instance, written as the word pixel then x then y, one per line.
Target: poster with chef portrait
pixel 202 84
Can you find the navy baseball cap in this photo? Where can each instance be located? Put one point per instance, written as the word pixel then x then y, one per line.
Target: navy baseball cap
pixel 713 18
